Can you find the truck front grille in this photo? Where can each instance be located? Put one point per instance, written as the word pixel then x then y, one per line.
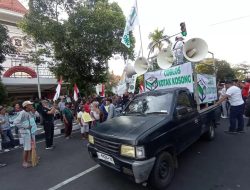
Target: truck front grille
pixel 107 146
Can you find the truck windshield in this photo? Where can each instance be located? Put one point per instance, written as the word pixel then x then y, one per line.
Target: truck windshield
pixel 150 104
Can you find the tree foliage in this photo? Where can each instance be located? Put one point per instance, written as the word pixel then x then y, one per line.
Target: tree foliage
pixel 112 81
pixel 3 93
pixel 205 67
pixel 155 45
pixel 82 44
pixel 224 70
pixel 156 38
pixel 241 71
pixel 6 46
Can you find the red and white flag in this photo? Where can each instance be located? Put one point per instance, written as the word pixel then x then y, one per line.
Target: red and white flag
pixel 141 88
pixel 103 90
pixel 58 90
pixel 76 92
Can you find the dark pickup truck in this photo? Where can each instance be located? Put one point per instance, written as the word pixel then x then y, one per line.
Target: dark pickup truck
pixel 144 141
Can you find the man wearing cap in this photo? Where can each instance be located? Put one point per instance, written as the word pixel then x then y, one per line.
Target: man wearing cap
pixel 23 124
pixel 234 96
pixel 48 121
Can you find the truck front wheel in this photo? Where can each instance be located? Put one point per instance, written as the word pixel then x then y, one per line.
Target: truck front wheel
pixel 163 171
pixel 210 134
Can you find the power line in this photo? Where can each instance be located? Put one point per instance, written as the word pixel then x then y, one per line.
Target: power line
pixel 230 20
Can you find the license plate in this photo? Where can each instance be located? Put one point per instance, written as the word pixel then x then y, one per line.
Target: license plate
pixel 105 157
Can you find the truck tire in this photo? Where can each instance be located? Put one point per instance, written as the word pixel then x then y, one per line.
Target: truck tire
pixel 163 171
pixel 210 134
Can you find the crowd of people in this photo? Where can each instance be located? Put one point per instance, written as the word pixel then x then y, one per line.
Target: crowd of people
pixel 23 119
pixel 90 112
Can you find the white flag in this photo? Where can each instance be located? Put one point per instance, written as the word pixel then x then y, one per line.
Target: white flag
pixel 132 21
pixel 58 89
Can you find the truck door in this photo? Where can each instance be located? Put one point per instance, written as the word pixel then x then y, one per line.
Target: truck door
pixel 187 121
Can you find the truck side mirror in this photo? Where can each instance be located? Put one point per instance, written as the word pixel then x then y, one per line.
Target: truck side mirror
pixel 181 110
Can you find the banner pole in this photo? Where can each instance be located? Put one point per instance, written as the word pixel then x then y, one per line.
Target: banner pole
pixel 139 28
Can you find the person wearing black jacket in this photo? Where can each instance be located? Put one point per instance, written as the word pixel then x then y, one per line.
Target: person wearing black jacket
pixel 48 122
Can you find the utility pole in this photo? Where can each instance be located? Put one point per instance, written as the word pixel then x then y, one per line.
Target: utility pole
pixel 38 82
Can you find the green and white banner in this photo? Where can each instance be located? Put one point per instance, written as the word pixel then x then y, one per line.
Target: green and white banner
pixel 132 84
pixel 177 76
pixel 206 87
pixel 131 22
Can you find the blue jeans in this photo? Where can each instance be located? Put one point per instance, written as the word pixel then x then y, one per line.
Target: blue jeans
pixel 8 137
pixel 236 114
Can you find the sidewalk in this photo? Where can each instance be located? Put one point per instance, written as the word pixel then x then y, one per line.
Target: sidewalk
pixel 40 134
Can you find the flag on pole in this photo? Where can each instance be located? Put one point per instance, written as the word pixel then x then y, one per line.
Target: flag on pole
pixel 141 88
pixel 58 90
pixel 76 92
pixel 103 91
pixel 131 22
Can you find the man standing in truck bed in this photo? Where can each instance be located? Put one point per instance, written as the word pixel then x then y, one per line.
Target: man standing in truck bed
pixel 234 96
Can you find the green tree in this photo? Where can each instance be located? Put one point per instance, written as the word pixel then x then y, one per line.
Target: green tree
pixel 205 67
pixel 6 48
pixel 224 70
pixel 82 44
pixel 112 81
pixel 155 46
pixel 241 71
pixel 156 40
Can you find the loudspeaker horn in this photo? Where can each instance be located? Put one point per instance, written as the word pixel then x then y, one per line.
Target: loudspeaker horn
pixel 141 65
pixel 195 49
pixel 165 58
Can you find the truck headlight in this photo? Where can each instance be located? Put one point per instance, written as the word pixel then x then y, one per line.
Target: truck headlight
pixel 134 152
pixel 140 152
pixel 91 139
pixel 128 151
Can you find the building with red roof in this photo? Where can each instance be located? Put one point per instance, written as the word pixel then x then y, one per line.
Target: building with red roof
pixel 19 75
pixel 13 5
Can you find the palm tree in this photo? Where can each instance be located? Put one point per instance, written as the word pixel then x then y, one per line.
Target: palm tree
pixel 156 43
pixel 156 38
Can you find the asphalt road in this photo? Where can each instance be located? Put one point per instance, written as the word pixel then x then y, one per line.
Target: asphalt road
pixel 222 164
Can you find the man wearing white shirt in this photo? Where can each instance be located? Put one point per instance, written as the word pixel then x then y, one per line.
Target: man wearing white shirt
pixel 222 92
pixel 234 96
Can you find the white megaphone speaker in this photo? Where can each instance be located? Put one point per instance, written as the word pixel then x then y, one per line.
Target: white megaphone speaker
pixel 195 49
pixel 141 65
pixel 165 58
